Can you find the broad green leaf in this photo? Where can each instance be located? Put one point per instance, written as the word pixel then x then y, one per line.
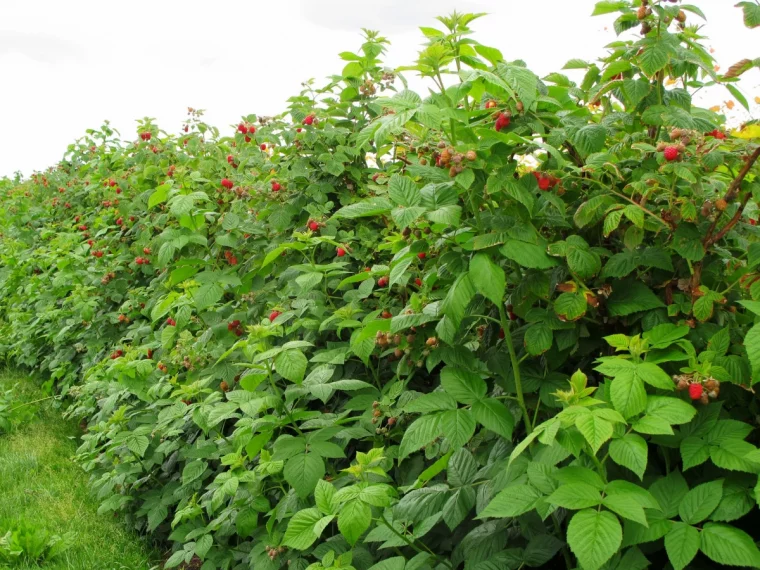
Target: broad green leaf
pixel 291 364
pixel 682 544
pixel 595 430
pixel 420 433
pixel 630 451
pixel 726 544
pixel 303 471
pixel 495 416
pixel 575 496
pixel 702 500
pixel 464 386
pixel 403 191
pixel 300 532
pixel 627 507
pixel 594 536
pixel 457 426
pixel 353 520
pixel 512 501
pixel 490 281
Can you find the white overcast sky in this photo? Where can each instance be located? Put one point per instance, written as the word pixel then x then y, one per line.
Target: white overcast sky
pixel 66 66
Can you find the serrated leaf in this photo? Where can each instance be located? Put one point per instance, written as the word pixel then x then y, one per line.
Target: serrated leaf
pixel 630 451
pixel 512 501
pixel 353 520
pixel 594 536
pixel 303 471
pixel 726 544
pixel 702 500
pixel 491 281
pixel 493 415
pixel 681 544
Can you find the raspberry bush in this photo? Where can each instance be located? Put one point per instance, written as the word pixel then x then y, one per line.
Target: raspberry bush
pixel 508 324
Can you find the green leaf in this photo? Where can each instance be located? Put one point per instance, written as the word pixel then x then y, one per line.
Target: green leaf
pixel 575 496
pixel 495 416
pixel 324 494
pixel 433 402
pixel 403 191
pixel 538 339
pixel 726 544
pixel 702 500
pixel 653 58
pixel 462 468
pixel 752 344
pixel 669 492
pixel 464 386
pixel 590 139
pixel 654 376
pixel 353 520
pixel 491 281
pixel 159 195
pixel 528 255
pixel 303 471
pixel 671 409
pixel 570 306
pixel 512 501
pixel 751 14
pixel 291 364
pixel 608 6
pixel 628 394
pixel 631 297
pixel 627 507
pixel 595 429
pixel 457 426
pixel 420 433
pixel 694 451
pixel 681 544
pixel 300 532
pixel 594 536
pixel 457 299
pixel 207 295
pixel 193 471
pixel 630 451
pixel 366 208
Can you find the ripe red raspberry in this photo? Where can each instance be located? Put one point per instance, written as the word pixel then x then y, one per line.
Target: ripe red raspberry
pixel 251 129
pixel 171 322
pixel 242 128
pixel 695 391
pixel 422 255
pixel 299 129
pixel 502 121
pixel 752 222
pixel 273 315
pixel 97 254
pixel 230 158
pixel 340 252
pixel 82 228
pixel 227 183
pixel 313 226
pixel 418 282
pixel 382 282
pixel 247 138
pixel 263 146
pixel 90 242
pixel 119 221
pixel 308 120
pixel 544 182
pixel 670 153
pixel 276 186
pixel 139 260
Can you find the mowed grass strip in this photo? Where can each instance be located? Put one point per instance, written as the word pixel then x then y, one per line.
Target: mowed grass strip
pixel 41 485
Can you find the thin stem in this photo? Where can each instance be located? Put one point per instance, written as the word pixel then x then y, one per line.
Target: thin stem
pixel 412 544
pixel 515 367
pixel 32 402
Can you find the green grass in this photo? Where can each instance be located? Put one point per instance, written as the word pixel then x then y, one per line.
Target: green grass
pixel 41 485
